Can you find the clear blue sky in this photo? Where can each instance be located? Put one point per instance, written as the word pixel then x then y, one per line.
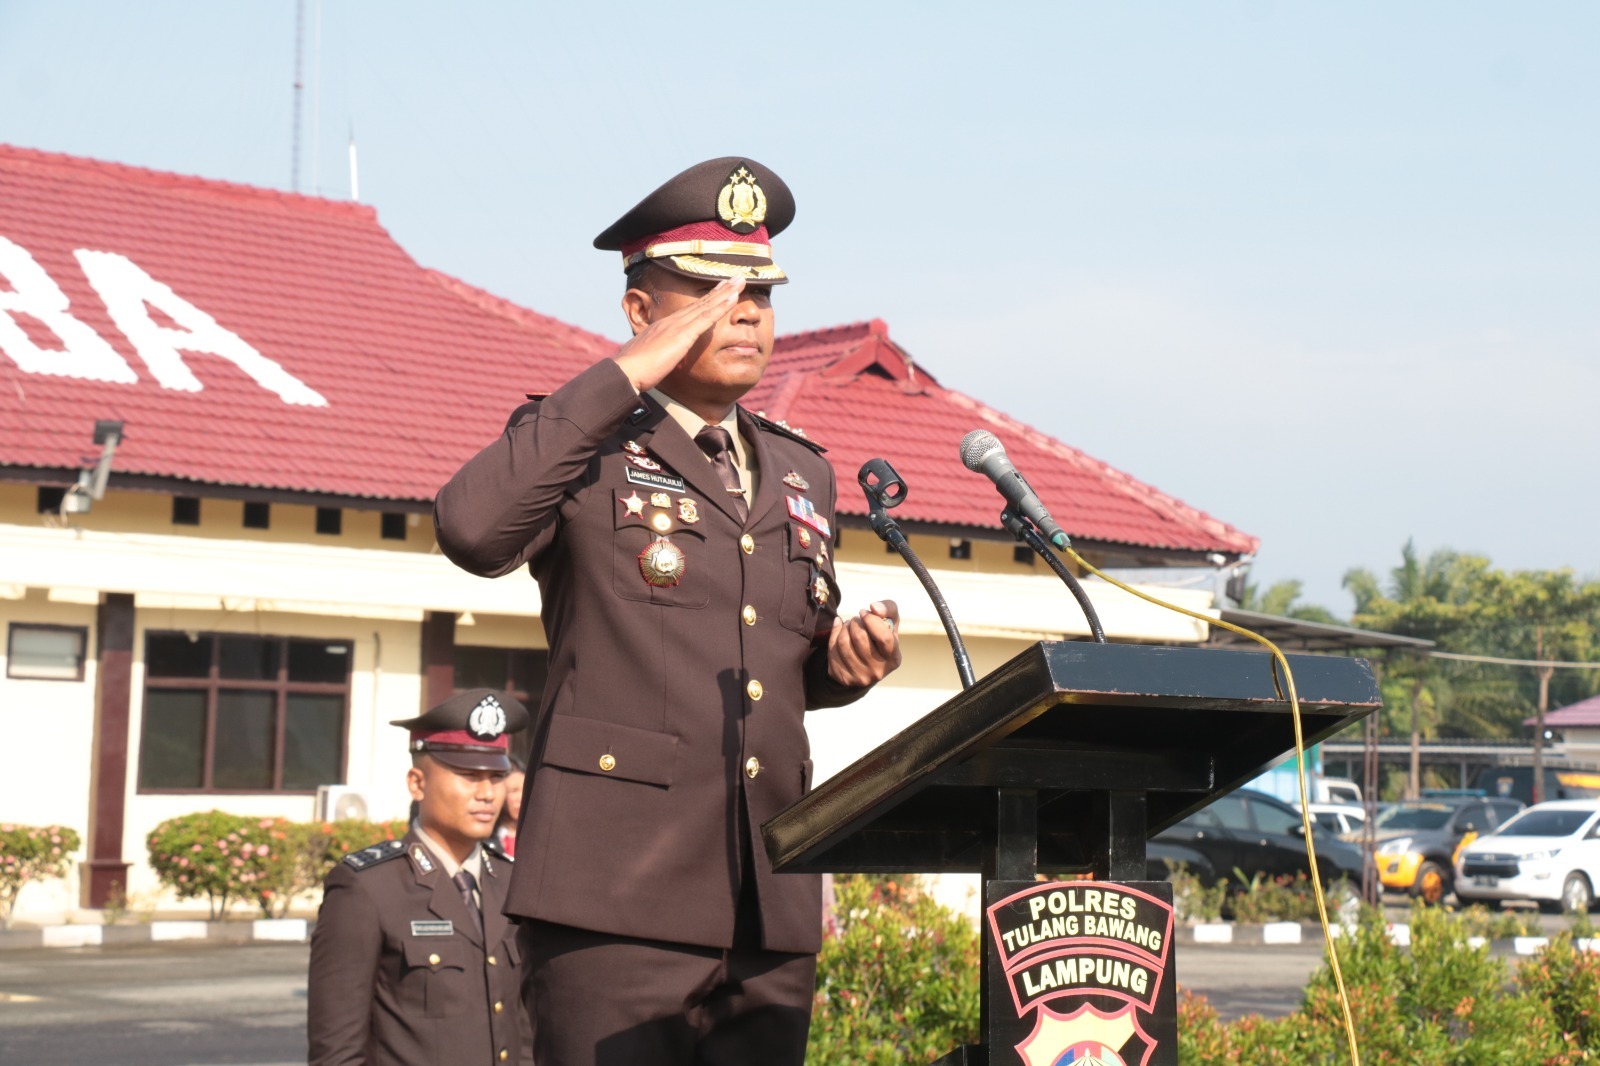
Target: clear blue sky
pixel 1328 271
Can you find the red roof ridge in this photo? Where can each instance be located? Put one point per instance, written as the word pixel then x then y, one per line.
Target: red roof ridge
pixel 833 334
pixel 1110 475
pixel 105 169
pixel 514 312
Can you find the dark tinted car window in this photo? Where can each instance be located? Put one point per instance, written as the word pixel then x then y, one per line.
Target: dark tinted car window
pixel 1230 810
pixel 1503 810
pixel 1408 816
pixel 1271 818
pixel 1203 819
pixel 1546 823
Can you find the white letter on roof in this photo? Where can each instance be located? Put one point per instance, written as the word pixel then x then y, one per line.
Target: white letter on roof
pixel 83 354
pixel 126 289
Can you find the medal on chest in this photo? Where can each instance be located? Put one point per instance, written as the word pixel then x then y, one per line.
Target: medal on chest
pixel 661 563
pixel 819 588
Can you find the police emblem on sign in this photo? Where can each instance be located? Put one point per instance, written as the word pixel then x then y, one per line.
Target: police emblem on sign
pixel 488 719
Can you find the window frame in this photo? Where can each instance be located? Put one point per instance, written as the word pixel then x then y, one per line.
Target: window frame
pixel 11 658
pixel 213 685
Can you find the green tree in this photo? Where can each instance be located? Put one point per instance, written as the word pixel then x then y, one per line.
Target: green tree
pixel 1282 598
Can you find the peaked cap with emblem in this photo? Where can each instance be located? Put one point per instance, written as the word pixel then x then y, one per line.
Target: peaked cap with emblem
pixel 470 730
pixel 715 220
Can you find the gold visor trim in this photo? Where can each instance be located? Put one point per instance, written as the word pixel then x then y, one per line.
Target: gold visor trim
pixel 707 268
pixel 669 248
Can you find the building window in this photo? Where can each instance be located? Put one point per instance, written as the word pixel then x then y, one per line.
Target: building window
pixel 46 653
pixel 185 511
pixel 50 498
pixel 1023 554
pixel 960 549
pixel 330 520
pixel 257 515
pixel 227 712
pixel 393 526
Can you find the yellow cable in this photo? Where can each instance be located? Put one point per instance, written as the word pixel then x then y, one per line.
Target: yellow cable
pixel 1300 761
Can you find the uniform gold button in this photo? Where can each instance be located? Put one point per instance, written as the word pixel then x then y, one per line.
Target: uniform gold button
pixel 749 615
pixel 607 763
pixel 752 766
pixel 502 1054
pixel 754 688
pixel 661 523
pixel 747 544
pixel 491 961
pixel 433 960
pixel 499 1006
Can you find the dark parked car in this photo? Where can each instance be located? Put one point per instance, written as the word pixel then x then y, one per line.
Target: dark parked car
pixel 1418 841
pixel 1254 833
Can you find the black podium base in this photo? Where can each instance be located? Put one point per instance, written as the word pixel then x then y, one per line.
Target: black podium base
pixel 967 1055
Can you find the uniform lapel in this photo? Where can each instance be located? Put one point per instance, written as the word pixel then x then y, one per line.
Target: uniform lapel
pixel 667 440
pixel 444 900
pixel 492 892
pixel 769 482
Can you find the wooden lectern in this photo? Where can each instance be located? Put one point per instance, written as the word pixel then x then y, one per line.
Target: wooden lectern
pixel 1065 760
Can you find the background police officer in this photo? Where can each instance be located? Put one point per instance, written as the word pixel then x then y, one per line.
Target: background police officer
pixel 412 961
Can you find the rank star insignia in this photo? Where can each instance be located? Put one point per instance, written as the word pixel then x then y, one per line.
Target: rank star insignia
pixel 633 503
pixel 661 564
pixel 795 481
pixel 643 462
pixel 688 512
pixel 660 499
pixel 741 204
pixel 819 588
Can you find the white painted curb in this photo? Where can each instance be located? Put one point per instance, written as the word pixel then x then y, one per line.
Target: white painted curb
pixel 177 930
pixel 278 929
pixel 1529 945
pixel 1213 933
pixel 71 936
pixel 1280 933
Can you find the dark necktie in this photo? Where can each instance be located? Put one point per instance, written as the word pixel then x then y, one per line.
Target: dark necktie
pixel 468 885
pixel 717 443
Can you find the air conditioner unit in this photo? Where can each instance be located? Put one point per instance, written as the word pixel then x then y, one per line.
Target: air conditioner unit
pixel 337 803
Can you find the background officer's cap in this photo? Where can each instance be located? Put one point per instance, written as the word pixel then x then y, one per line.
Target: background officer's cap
pixel 470 730
pixel 715 220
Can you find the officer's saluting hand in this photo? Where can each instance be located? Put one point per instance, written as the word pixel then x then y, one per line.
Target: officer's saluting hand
pixel 412 962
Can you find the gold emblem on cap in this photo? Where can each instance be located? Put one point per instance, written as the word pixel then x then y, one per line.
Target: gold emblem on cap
pixel 741 204
pixel 688 511
pixel 661 563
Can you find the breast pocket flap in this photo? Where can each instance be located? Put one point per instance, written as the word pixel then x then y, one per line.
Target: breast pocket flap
pixel 606 749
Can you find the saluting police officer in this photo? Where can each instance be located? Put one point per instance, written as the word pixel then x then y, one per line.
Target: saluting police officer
pixel 412 960
pixel 684 551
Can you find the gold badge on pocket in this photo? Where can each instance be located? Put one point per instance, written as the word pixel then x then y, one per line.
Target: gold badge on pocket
pixel 661 563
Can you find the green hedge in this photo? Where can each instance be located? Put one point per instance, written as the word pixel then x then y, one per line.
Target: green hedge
pixel 271 862
pixel 31 853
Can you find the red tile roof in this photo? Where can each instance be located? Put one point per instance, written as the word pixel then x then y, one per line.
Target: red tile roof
pixel 418 370
pixel 857 392
pixel 1583 713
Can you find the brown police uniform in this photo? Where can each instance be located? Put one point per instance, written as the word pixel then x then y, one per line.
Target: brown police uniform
pixel 402 973
pixel 686 644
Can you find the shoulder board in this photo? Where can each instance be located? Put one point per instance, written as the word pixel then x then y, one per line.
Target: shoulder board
pixel 783 430
pixel 367 858
pixel 492 846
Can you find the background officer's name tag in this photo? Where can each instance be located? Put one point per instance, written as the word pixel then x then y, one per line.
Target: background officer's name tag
pixel 444 927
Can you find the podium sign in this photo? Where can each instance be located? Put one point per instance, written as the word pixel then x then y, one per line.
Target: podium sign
pixel 1081 972
pixel 1066 759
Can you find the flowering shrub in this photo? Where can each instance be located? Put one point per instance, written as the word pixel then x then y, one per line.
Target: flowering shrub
pixel 897 982
pixel 269 861
pixel 31 853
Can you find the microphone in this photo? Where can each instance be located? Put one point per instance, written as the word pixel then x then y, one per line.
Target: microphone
pixel 982 452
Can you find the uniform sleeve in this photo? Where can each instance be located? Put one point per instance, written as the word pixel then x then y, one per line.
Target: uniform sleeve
pixel 822 690
pixel 501 508
pixel 344 970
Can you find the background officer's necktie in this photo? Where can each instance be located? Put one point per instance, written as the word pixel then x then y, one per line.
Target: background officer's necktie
pixel 468 886
pixel 717 443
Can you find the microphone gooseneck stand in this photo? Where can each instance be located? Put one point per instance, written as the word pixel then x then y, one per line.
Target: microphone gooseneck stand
pixel 1024 531
pixel 885 489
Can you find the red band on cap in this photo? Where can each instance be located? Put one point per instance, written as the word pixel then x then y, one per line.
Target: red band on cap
pixel 696 231
pixel 462 738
